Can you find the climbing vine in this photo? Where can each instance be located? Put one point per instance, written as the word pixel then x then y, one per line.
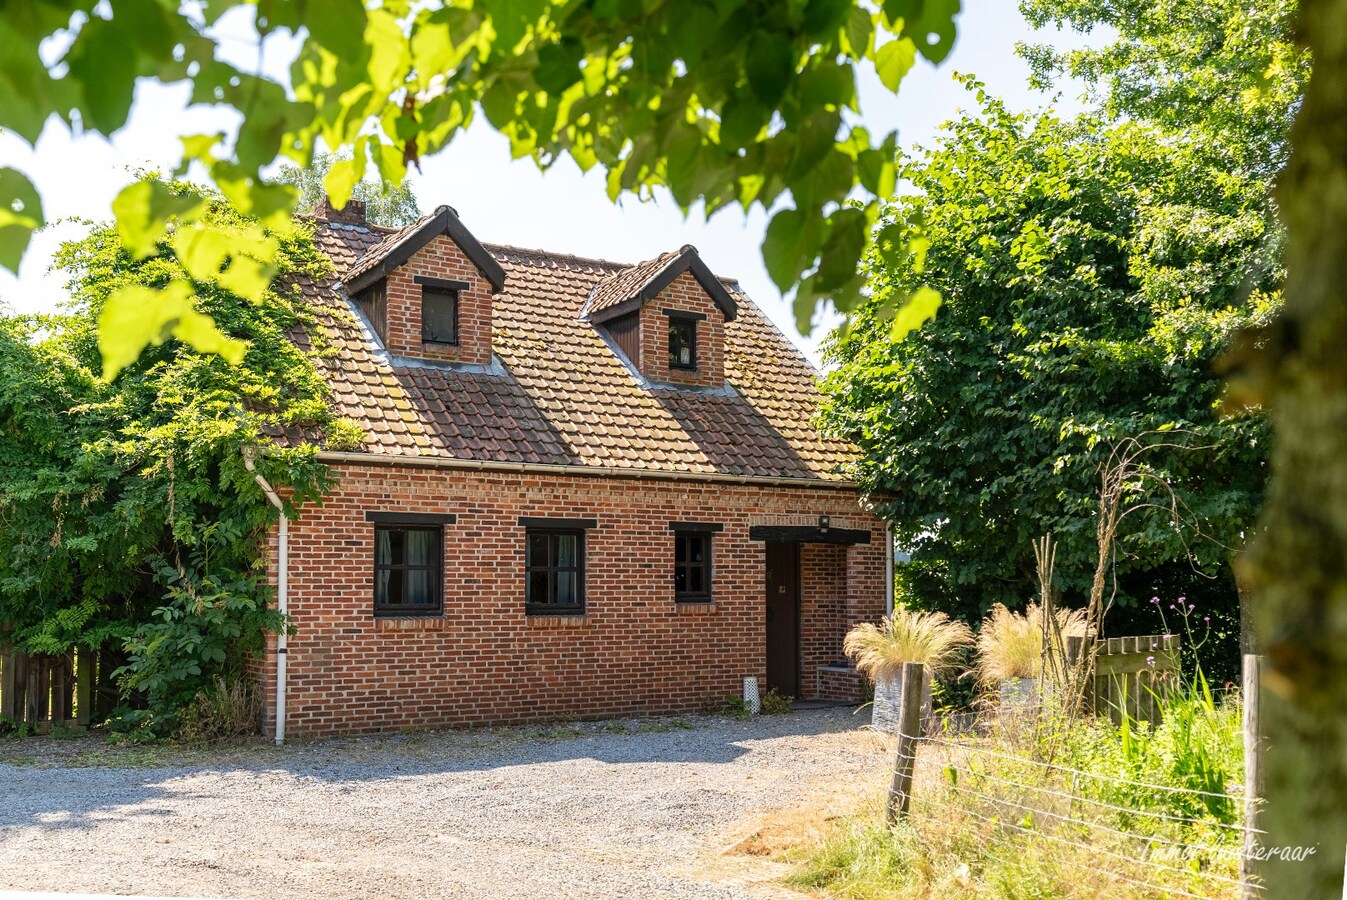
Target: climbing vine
pixel 127 518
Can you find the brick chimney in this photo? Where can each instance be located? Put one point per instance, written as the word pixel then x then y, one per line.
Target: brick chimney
pixel 352 214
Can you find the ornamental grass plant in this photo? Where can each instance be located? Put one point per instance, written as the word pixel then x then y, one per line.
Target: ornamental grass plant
pixel 1010 645
pixel 906 635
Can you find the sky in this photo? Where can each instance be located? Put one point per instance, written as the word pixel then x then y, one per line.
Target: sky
pixel 512 202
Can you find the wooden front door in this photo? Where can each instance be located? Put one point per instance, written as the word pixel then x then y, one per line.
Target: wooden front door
pixel 783 618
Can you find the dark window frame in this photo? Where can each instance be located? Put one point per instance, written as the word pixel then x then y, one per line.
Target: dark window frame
pixel 707 565
pixel 436 568
pixel 688 322
pixel 555 529
pixel 441 291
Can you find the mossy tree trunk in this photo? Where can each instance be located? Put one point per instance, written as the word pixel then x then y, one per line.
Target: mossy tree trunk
pixel 1297 563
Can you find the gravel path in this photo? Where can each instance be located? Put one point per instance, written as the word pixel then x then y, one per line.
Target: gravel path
pixel 617 810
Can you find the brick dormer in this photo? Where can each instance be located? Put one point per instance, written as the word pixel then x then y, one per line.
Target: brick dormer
pixel 427 290
pixel 667 316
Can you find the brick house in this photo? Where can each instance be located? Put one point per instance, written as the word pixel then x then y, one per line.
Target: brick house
pixel 584 489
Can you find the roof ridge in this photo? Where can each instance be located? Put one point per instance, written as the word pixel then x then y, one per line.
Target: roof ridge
pixel 557 254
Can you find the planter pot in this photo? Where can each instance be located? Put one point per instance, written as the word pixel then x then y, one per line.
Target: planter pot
pixel 889 697
pixel 1018 696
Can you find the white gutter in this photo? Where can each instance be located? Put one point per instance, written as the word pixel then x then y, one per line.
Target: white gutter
pixel 478 465
pixel 888 568
pixel 282 592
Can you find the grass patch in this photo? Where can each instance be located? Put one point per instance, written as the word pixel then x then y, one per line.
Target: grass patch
pixel 984 824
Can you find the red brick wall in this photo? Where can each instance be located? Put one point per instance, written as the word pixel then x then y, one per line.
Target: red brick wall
pixel 483 661
pixel 823 606
pixel 685 295
pixel 441 258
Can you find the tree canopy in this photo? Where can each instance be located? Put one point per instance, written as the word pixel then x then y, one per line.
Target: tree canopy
pixel 1229 70
pixel 390 205
pixel 1090 274
pixel 719 101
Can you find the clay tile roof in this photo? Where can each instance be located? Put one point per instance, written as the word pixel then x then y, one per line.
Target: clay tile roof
pixel 396 248
pixel 556 393
pixel 625 285
pixel 626 290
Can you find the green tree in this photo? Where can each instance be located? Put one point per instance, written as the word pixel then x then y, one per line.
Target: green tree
pixel 126 515
pixel 1090 276
pixel 384 205
pixel 1227 69
pixel 719 101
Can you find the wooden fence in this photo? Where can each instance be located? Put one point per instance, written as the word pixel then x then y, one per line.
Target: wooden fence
pixel 74 690
pixel 1131 674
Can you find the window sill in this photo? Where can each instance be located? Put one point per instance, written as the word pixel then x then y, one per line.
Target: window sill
pixel 695 607
pixel 556 620
pixel 426 343
pixel 410 622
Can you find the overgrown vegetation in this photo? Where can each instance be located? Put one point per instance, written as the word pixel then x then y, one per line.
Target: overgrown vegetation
pixel 127 519
pixel 993 821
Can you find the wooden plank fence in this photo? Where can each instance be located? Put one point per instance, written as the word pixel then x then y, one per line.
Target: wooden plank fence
pixel 1131 674
pixel 73 690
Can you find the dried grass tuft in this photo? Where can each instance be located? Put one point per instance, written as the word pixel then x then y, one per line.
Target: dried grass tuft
pixel 1010 645
pixel 904 636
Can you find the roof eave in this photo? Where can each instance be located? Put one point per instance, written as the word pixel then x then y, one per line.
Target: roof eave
pixel 687 260
pixel 445 222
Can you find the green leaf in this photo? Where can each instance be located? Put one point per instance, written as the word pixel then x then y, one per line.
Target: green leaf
pixel 860 32
pixel 894 60
pixel 842 250
pixel 144 210
pixel 741 121
pixel 20 216
pixel 790 246
pixel 202 250
pixel 917 309
pixel 559 65
pixel 512 19
pixel 340 27
pixel 340 181
pixel 930 23
pixel 135 317
pixel 770 65
pixel 271 204
pixel 247 278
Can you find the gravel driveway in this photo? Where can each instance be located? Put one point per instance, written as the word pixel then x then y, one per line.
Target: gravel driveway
pixel 615 810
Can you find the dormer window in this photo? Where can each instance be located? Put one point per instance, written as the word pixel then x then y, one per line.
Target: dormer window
pixel 666 317
pixel 427 289
pixel 682 342
pixel 439 309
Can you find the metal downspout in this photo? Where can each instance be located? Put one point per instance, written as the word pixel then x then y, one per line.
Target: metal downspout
pixel 888 568
pixel 282 591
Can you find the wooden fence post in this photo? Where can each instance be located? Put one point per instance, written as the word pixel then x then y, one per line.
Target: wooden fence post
pixel 1250 887
pixel 909 730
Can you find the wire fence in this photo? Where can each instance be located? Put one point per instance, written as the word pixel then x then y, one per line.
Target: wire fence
pixel 1026 808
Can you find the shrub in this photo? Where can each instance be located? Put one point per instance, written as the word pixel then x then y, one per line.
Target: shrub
pixel 228 708
pixel 774 703
pixel 905 635
pixel 736 706
pixel 13 729
pixel 1010 645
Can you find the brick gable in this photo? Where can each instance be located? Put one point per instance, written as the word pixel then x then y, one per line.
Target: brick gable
pixel 442 259
pixel 684 295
